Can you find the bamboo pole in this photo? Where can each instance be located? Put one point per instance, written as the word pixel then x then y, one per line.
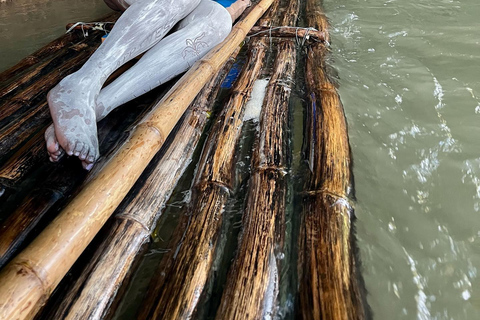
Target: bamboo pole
pixel 18 132
pixel 183 272
pixel 19 225
pixel 93 294
pixel 50 49
pixel 23 161
pixel 328 277
pixel 252 283
pixel 37 204
pixel 28 280
pixel 309 34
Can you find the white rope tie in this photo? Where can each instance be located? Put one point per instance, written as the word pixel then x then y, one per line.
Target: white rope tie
pixel 101 26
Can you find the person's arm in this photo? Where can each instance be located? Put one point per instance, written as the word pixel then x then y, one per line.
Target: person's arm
pixel 237 8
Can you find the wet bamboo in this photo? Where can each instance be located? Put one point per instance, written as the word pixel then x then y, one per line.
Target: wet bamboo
pixel 328 277
pixel 18 132
pixel 23 160
pixel 46 51
pixel 186 272
pixel 250 291
pixel 28 280
pixel 19 225
pixel 93 294
pixel 183 272
pixel 288 32
pixel 37 204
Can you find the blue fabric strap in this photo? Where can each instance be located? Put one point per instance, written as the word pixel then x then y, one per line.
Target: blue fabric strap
pixel 225 3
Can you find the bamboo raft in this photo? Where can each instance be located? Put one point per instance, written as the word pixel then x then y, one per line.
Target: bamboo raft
pixel 72 242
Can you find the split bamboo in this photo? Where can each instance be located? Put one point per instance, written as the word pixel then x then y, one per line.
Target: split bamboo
pixel 93 295
pixel 183 273
pixel 252 283
pixel 28 280
pixel 328 276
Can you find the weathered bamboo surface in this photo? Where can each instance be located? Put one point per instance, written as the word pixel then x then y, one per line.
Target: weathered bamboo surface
pixel 252 284
pixel 184 272
pixel 26 112
pixel 63 182
pixel 93 294
pixel 28 280
pixel 23 160
pixel 309 34
pixel 328 276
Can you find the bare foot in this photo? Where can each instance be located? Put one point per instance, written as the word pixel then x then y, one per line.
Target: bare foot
pixel 71 105
pixel 56 152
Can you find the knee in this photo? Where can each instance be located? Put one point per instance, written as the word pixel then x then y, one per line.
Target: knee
pixel 221 22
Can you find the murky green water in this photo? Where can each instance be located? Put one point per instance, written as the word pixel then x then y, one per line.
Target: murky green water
pixel 410 83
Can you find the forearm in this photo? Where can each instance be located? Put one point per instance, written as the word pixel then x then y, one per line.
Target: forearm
pixel 237 8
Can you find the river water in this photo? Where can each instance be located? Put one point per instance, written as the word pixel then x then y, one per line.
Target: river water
pixel 409 81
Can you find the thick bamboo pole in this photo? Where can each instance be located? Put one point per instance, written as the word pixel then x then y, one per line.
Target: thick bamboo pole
pixel 29 279
pixel 52 187
pixel 94 292
pixel 250 292
pixel 183 273
pixel 329 284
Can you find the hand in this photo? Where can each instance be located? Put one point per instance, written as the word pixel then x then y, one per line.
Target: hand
pixel 237 8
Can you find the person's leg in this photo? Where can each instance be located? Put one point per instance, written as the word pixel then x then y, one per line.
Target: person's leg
pixel 72 101
pixel 200 31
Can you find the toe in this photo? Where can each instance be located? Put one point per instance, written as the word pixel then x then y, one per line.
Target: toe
pixel 84 153
pixel 78 148
pixel 90 159
pixel 70 148
pixel 52 143
pixel 87 166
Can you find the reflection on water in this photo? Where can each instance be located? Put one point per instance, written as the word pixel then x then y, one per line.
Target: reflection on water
pixel 409 82
pixel 27 25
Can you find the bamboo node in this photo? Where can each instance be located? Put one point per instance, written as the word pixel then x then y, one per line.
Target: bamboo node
pixel 130 217
pixel 340 200
pixel 150 125
pixel 24 268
